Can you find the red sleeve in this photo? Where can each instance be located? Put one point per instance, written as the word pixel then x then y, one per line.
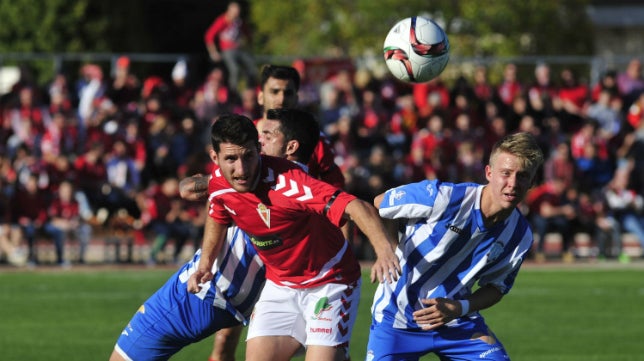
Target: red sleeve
pixel 216 209
pixel 325 199
pixel 322 164
pixel 214 29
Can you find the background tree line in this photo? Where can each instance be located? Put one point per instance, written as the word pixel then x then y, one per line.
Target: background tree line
pixel 300 28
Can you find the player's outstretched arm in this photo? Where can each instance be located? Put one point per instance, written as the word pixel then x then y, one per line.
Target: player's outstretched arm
pixel 194 188
pixel 367 219
pixel 213 239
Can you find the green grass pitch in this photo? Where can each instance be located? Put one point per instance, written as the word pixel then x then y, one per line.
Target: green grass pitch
pixel 563 314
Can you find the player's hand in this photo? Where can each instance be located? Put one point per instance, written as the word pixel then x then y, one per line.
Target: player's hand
pixel 438 312
pixel 197 279
pixel 386 268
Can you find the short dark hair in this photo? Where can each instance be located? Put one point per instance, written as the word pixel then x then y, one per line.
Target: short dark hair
pixel 233 128
pixel 298 125
pixel 281 72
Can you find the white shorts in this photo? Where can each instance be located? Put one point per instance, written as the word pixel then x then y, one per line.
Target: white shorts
pixel 321 316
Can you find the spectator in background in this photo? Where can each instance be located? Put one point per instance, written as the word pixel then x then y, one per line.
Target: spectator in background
pixel 180 92
pixel 541 93
pixel 211 97
pixel 510 87
pixel 607 82
pixel 124 88
pixel 631 82
pixel 10 237
pixel 168 219
pixel 605 228
pixel 123 181
pixel 635 115
pixel 224 41
pixel 571 99
pixel 30 213
pixel 92 175
pixel 560 165
pixel 64 221
pixel 608 115
pixel 626 204
pixel 550 211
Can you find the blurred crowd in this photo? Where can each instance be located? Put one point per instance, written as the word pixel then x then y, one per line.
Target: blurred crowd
pixel 97 152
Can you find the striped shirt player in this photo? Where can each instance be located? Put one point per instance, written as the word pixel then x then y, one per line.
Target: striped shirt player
pixel 445 248
pixel 173 318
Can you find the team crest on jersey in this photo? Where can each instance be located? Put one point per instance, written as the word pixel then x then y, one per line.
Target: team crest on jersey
pixel 495 252
pixel 264 214
pixel 395 195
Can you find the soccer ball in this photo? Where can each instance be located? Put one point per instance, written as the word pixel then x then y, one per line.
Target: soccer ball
pixel 416 50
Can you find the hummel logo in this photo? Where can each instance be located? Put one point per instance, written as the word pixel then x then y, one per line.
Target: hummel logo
pixel 292 189
pixel 454 229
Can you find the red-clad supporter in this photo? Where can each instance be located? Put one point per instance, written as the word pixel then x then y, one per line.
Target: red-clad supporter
pixel 59 97
pixel 430 150
pixel 92 174
pixel 28 121
pixel 29 212
pixel 496 129
pixel 635 115
pixel 572 99
pixel 587 134
pixel 551 211
pixel 483 90
pixel 64 221
pixel 211 97
pixel 431 96
pixel 168 219
pixel 510 87
pixel 371 118
pixel 224 42
pixel 560 165
pixel 59 169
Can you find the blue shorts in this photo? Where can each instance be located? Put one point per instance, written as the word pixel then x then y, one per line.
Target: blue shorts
pixel 449 343
pixel 169 320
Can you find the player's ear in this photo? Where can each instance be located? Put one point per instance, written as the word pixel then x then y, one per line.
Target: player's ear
pixel 291 147
pixel 213 155
pixel 260 97
pixel 488 172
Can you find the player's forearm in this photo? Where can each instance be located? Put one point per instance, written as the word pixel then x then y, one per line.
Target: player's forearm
pixel 212 240
pixel 484 297
pixel 368 221
pixel 194 188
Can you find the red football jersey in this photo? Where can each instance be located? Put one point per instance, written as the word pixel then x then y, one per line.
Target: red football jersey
pixel 293 221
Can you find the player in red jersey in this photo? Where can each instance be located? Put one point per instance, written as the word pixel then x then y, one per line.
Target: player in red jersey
pixel 279 89
pixel 293 220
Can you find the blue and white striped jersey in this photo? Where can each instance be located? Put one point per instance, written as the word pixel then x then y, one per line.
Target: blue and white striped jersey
pixel 445 248
pixel 238 274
